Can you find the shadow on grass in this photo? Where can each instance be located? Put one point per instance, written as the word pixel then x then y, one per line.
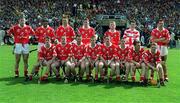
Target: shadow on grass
pixel 21 80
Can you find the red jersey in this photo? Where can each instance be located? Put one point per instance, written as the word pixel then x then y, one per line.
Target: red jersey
pixel 137 56
pixel 123 54
pixel 156 34
pixel 86 34
pixel 108 52
pixel 78 51
pixel 115 36
pixel 152 58
pixel 42 32
pixel 65 31
pixel 62 52
pixel 21 34
pixel 46 53
pixel 93 52
pixel 131 35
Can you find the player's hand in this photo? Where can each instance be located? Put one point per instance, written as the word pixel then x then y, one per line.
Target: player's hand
pixel 137 64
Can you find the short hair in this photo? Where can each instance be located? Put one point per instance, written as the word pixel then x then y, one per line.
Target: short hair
pixel 153 43
pixel 135 42
pixel 47 37
pixel 132 21
pixel 78 35
pixel 111 22
pixel 92 37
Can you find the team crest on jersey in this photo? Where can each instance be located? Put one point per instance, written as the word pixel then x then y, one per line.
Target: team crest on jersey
pixel 61 30
pixel 82 32
pixel 104 50
pixel 26 30
pixel 18 30
pixel 41 31
pixel 48 31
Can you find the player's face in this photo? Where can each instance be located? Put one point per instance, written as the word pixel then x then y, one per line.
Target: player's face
pixel 107 40
pixel 78 39
pixel 161 24
pixel 63 40
pixel 112 25
pixel 45 24
pixel 93 40
pixel 47 41
pixel 122 43
pixel 153 48
pixel 86 23
pixel 65 22
pixel 133 25
pixel 22 22
pixel 137 46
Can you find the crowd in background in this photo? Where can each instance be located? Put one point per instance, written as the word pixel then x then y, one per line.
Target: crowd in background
pixel 145 12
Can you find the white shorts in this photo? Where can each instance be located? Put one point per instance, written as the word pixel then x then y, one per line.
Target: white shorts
pixel 163 50
pixel 21 48
pixel 39 46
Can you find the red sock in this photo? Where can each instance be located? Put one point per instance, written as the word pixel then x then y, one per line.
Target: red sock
pixel 96 76
pixel 133 78
pixel 25 72
pixel 118 78
pixel 142 78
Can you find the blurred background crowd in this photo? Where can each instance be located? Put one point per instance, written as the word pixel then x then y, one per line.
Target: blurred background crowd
pixel 145 12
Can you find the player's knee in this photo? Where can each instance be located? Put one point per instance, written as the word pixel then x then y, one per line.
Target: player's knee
pixel 101 64
pixel 143 65
pixel 117 65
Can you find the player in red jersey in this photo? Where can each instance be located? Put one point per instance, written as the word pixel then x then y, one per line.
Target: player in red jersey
pixel 113 33
pixel 78 50
pixel 137 61
pixel 21 33
pixel 92 50
pixel 62 58
pixel 123 54
pixel 153 62
pixel 109 52
pixel 161 36
pixel 131 34
pixel 43 31
pixel 65 30
pixel 45 58
pixel 86 32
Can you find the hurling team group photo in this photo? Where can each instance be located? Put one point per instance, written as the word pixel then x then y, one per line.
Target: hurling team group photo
pixel 82 51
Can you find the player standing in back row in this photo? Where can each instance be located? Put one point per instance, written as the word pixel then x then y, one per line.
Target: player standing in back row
pixel 161 36
pixel 21 33
pixel 131 34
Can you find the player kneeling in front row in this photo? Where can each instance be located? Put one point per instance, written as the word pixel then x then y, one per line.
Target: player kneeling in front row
pixel 92 50
pixel 137 61
pixel 110 59
pixel 153 62
pixel 78 51
pixel 63 56
pixel 123 54
pixel 45 59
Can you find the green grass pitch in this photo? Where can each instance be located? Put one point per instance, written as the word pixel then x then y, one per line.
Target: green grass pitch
pixel 17 91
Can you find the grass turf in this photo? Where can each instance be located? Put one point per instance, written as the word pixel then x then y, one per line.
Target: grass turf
pixel 17 91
